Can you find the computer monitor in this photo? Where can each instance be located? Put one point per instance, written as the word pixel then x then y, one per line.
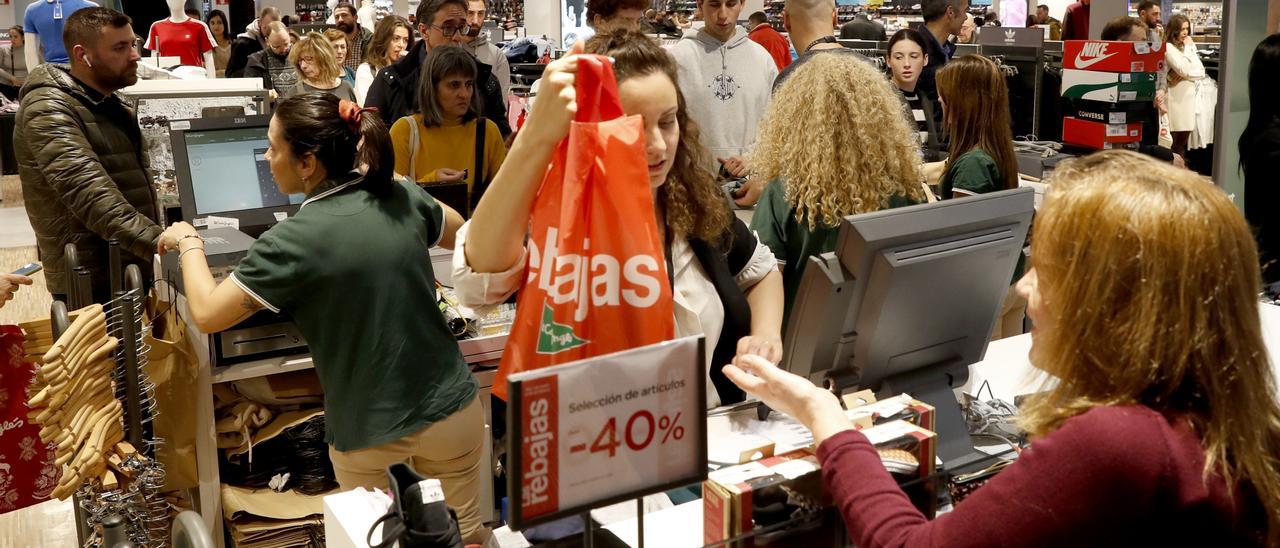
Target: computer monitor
pixel 908 301
pixel 222 171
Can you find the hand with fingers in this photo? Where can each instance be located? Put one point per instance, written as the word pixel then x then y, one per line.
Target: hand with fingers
pixel 9 284
pixel 817 408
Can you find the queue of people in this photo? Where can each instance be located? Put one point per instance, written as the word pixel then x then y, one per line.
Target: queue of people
pixel 1156 419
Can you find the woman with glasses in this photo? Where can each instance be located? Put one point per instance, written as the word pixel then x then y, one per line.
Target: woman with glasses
pixel 391 39
pixel 318 68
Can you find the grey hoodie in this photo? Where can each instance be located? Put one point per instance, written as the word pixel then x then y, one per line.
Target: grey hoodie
pixel 491 55
pixel 726 87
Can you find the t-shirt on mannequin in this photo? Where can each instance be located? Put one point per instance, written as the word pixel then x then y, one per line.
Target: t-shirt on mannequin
pixel 42 28
pixel 183 37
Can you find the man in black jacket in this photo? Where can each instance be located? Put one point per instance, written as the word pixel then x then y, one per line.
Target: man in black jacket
pixel 395 90
pixel 79 158
pixel 863 28
pixel 251 41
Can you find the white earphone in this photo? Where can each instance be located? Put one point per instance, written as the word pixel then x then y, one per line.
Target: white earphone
pixel 86 60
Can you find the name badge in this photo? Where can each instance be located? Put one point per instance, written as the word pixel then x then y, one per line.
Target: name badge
pixel 57 9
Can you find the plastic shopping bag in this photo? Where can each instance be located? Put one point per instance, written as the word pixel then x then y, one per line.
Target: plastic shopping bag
pixel 596 280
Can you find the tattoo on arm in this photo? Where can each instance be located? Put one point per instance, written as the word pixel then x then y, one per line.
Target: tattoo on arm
pixel 250 304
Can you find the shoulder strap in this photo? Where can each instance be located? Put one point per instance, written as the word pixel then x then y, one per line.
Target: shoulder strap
pixel 413 148
pixel 480 177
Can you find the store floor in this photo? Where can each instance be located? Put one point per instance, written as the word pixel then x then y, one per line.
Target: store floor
pixel 51 523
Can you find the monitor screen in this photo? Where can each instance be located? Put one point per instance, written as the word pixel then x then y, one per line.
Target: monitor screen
pixel 229 171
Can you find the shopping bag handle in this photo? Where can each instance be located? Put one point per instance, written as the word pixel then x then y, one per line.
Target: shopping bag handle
pixel 597 90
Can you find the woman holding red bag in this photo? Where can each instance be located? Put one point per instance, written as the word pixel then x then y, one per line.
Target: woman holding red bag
pixel 725 284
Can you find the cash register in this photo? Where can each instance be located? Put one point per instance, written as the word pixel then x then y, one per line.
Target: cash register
pixel 227 192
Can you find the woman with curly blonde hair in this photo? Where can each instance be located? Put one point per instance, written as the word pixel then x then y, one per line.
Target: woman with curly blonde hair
pixel 834 143
pixel 725 284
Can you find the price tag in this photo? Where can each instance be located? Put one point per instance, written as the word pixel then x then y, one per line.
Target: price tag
pixel 606 429
pixel 222 222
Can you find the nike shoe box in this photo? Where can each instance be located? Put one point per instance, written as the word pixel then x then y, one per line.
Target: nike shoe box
pixel 1100 136
pixel 1100 56
pixel 1109 87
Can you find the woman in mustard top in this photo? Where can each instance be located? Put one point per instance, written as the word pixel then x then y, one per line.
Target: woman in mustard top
pixel 438 145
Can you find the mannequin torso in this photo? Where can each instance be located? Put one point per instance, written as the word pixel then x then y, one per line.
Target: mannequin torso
pixel 183 37
pixel 42 27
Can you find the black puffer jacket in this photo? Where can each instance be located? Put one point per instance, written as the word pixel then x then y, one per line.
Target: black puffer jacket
pixel 394 91
pixel 80 161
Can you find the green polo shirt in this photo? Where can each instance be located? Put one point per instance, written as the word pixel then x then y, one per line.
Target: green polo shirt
pixel 974 172
pixel 791 240
pixel 353 271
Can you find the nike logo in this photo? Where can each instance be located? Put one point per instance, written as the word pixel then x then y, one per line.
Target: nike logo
pixel 1082 63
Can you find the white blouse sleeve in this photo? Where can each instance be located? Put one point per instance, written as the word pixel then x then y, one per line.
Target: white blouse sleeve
pixel 1184 62
pixel 364 79
pixel 761 264
pixel 479 289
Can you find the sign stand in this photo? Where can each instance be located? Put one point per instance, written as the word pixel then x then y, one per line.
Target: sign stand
pixel 640 521
pixel 606 430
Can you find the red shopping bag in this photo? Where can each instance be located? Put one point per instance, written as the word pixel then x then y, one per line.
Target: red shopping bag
pixel 27 470
pixel 596 281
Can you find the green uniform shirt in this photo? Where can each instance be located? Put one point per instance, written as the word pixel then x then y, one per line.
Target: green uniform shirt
pixel 791 241
pixel 974 172
pixel 352 269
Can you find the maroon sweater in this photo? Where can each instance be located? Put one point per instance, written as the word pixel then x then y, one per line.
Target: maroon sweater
pixel 1111 476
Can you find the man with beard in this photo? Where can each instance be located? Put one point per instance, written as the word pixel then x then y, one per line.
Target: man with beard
pixel 272 64
pixel 78 154
pixel 480 46
pixel 358 37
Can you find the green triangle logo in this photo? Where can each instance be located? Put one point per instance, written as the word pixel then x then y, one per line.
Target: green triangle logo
pixel 554 338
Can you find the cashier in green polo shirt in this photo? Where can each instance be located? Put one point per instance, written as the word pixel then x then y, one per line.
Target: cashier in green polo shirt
pixel 352 269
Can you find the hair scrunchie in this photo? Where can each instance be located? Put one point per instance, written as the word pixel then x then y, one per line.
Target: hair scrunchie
pixel 351 113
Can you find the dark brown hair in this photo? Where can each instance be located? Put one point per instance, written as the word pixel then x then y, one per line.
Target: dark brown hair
pixel 1173 27
pixel 226 25
pixel 85 26
pixel 1119 27
pixel 443 62
pixel 345 6
pixel 695 206
pixel 976 112
pixel 609 8
pixel 381 42
pixel 426 14
pixel 311 124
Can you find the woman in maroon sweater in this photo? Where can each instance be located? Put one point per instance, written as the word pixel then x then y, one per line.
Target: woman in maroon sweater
pixel 1163 428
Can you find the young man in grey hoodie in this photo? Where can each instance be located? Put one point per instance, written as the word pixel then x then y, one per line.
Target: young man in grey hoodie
pixel 479 46
pixel 726 81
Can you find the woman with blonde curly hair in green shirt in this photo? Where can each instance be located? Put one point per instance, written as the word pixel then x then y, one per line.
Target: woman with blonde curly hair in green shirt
pixel 834 143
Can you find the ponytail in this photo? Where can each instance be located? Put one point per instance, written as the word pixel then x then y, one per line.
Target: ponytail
pixel 376 151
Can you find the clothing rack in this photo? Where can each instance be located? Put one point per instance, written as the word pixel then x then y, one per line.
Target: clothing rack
pixel 141 505
pixel 876 56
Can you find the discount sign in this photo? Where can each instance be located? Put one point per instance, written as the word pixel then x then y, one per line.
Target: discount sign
pixel 606 429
